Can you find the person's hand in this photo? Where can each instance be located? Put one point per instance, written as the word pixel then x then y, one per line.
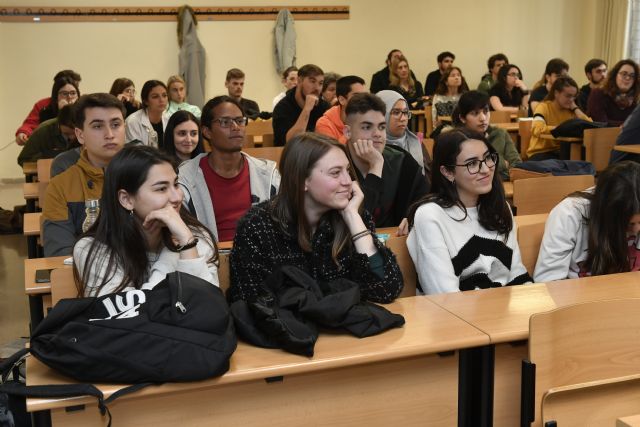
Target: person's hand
pixel 21 138
pixel 310 102
pixel 403 228
pixel 357 197
pixel 62 102
pixel 168 217
pixel 520 84
pixel 123 97
pixel 367 152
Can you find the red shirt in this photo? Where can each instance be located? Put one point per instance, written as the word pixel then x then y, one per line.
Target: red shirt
pixel 230 197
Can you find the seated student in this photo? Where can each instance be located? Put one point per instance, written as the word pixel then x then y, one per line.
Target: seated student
pixel 473 113
pixel 494 64
pixel 462 235
pixel 222 185
pixel 99 126
pixel 401 81
pixel 629 135
pixel 390 178
pixel 183 140
pixel 594 232
pixel 124 89
pixel 332 121
pixel 301 108
pixel 142 232
pixel 445 60
pixel 147 125
pixel 314 223
pixel 51 138
pixel 509 93
pixel 398 134
pixel 65 91
pixel 615 101
pixel 329 88
pixel 176 87
pixel 289 81
pixel 32 120
pixel 451 86
pixel 558 107
pixel 596 72
pixel 235 86
pixel 65 160
pixel 555 68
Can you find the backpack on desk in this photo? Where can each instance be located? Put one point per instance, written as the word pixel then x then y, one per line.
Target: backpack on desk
pixel 180 330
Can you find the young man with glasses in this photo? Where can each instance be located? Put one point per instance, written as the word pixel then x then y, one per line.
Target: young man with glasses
pixel 390 178
pixel 332 121
pixel 221 186
pixel 301 107
pixel 596 72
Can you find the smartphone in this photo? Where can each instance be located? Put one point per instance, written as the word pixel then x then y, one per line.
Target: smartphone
pixel 43 276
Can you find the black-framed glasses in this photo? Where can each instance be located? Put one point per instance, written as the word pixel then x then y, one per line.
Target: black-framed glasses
pixel 399 113
pixel 225 122
pixel 67 94
pixel 474 166
pixel 516 75
pixel 626 75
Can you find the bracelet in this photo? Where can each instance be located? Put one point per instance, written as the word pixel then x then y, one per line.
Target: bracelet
pixel 191 244
pixel 360 234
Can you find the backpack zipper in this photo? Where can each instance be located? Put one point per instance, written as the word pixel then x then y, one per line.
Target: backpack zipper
pixel 181 308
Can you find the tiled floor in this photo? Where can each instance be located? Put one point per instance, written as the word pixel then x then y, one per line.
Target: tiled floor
pixel 14 307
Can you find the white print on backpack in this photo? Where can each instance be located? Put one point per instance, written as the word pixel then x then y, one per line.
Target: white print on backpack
pixel 123 308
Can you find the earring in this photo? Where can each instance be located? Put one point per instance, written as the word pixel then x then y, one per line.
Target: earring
pixel 453 182
pixel 131 213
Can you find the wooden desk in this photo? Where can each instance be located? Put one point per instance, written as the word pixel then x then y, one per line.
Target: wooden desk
pixel 30 191
pixel 417 117
pixel 379 380
pixel 575 147
pixel 631 148
pixel 31 229
pixel 509 127
pixel 508 189
pixel 39 292
pixel 30 171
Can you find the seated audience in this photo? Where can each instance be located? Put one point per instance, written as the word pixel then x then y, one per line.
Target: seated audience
pixel 596 72
pixel 390 178
pixel 473 113
pixel 314 223
pixel 332 121
pixel 596 231
pixel 32 120
pixel 494 64
pixel 555 68
pixel 380 80
pixel 235 86
pixel 445 60
pixel 182 140
pixel 451 86
pixel 398 134
pixel 616 99
pixel 558 107
pixel 289 81
pixel 222 185
pixel 142 232
pixel 178 97
pixel 51 138
pixel 462 234
pixel 301 108
pixel 99 127
pixel 147 125
pixel 329 88
pixel 124 89
pixel 509 93
pixel 401 81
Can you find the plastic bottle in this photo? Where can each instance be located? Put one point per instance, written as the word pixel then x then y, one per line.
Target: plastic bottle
pixel 91 209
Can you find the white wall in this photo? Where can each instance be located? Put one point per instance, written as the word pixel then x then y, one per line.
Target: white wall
pixel 529 33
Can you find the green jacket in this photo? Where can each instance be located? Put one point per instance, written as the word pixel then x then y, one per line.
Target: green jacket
pixel 486 83
pixel 46 142
pixel 502 142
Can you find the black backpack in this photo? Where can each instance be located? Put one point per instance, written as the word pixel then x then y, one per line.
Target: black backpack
pixel 180 330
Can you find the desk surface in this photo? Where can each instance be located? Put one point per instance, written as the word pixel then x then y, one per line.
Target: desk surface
pixel 30 168
pixel 560 138
pixel 30 190
pixel 428 329
pixel 33 264
pixel 31 224
pixel 509 127
pixel 632 148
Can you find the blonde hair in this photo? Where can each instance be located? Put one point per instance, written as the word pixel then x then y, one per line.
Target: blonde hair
pixel 174 79
pixel 394 80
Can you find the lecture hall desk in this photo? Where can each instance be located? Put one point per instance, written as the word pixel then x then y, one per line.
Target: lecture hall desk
pixel 503 314
pixel 395 378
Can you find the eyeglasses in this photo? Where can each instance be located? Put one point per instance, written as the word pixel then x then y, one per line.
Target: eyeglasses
pixel 626 75
pixel 225 122
pixel 474 166
pixel 67 94
pixel 516 75
pixel 399 113
pixel 129 91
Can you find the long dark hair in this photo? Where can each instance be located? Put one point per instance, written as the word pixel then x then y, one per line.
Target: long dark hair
pixel 442 88
pixel 493 211
pixel 615 200
pixel 515 95
pixel 610 86
pixel 298 159
pixel 122 232
pixel 119 85
pixel 51 111
pixel 176 119
pixel 148 86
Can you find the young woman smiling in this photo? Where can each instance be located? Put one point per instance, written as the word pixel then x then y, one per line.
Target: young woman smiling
pixel 147 125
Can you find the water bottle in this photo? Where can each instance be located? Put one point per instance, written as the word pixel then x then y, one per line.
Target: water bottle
pixel 91 209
